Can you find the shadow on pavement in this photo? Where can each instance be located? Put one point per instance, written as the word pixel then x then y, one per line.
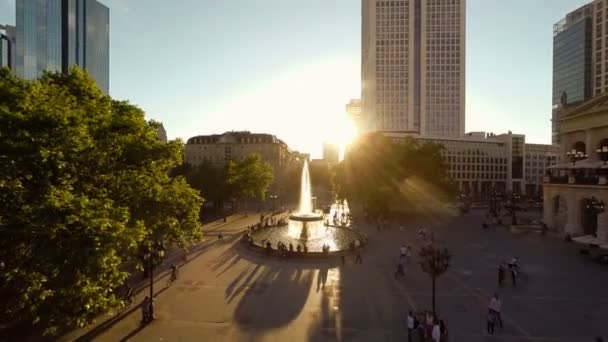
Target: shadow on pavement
pixel 133 333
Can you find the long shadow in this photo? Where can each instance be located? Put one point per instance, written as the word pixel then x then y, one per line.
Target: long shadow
pixel 107 324
pixel 133 333
pixel 245 284
pixel 274 293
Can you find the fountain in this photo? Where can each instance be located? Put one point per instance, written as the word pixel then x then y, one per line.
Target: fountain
pixel 305 227
pixel 305 212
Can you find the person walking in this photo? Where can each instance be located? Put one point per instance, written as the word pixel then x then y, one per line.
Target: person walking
pixel 358 259
pixel 145 310
pixel 408 253
pixel 501 273
pixel 491 322
pixel 400 272
pixel 436 333
pixel 495 307
pixel 402 251
pixel 443 329
pixel 410 325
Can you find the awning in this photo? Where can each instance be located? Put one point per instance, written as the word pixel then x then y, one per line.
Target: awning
pixel 589 240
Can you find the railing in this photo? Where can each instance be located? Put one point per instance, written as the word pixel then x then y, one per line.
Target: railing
pixel 579 179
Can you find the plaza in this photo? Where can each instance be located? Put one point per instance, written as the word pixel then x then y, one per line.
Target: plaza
pixel 229 293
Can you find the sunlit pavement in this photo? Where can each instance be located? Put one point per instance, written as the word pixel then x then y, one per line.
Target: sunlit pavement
pixel 231 294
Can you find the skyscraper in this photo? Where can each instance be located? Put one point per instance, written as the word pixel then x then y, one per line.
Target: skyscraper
pixel 54 35
pixel 572 62
pixel 413 66
pixel 7 46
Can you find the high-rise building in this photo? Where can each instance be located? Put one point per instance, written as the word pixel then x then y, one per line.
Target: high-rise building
pixel 572 58
pixel 331 153
pixel 7 46
pixel 413 66
pixel 54 35
pixel 600 54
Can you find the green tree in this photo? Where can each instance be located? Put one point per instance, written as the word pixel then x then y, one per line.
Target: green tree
pixel 385 175
pixel 249 178
pixel 210 180
pixel 84 181
pixel 434 261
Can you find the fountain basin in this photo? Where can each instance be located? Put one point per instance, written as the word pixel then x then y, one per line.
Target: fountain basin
pixel 307 217
pixel 339 239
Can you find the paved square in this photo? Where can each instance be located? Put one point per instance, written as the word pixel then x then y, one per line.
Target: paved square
pixel 231 294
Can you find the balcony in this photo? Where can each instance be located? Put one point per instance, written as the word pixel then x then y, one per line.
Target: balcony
pixel 582 173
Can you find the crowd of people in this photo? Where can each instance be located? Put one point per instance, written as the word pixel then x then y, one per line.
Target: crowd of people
pixel 426 326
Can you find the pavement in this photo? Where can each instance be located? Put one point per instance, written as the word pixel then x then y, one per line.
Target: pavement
pixel 228 293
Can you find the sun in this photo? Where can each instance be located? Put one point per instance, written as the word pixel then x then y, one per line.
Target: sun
pixel 344 132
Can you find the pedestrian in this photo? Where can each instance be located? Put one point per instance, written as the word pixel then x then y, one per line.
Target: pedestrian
pixel 495 307
pixel 399 271
pixel 436 333
pixel 491 322
pixel 410 325
pixel 145 310
pixel 443 329
pixel 501 273
pixel 358 259
pixel 513 275
pixel 408 253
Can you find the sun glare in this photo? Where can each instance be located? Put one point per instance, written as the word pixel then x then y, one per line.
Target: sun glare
pixel 305 106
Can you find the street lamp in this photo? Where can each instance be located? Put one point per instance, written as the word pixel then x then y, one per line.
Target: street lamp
pixel 514 199
pixel 575 156
pixel 273 198
pixel 153 254
pixel 596 205
pixel 603 152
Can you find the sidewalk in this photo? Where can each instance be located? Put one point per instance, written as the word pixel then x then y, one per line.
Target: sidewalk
pixel 233 225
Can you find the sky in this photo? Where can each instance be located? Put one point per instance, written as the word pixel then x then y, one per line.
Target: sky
pixel 289 67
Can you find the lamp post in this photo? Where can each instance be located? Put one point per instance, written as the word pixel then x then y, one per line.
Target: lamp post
pixel 273 198
pixel 603 153
pixel 575 156
pixel 154 252
pixel 596 205
pixel 514 199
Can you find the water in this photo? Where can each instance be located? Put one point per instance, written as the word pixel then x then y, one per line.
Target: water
pixel 305 206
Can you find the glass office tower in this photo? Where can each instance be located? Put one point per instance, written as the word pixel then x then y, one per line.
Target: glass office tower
pixel 38 37
pixel 55 35
pixel 572 62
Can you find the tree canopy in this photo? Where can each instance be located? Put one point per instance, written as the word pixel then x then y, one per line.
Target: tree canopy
pixel 248 178
pixel 385 175
pixel 84 181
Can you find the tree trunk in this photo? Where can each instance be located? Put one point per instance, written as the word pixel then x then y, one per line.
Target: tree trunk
pixel 433 278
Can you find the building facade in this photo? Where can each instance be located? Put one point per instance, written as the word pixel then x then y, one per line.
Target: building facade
pixel 219 149
pixel 331 153
pixel 7 46
pixel 413 66
pixel 54 35
pixel 234 146
pixel 353 108
pixel 572 62
pixel 576 190
pixel 480 163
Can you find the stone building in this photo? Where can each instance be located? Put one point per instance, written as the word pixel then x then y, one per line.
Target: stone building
pixel 480 162
pixel 218 149
pixel 575 191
